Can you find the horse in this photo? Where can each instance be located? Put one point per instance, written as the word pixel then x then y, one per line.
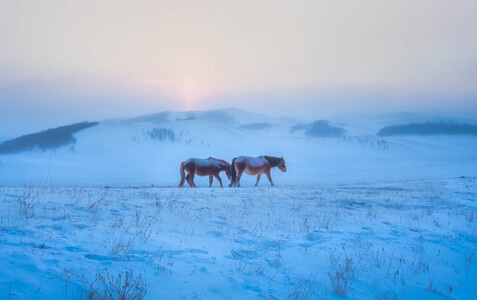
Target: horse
pixel 203 167
pixel 255 166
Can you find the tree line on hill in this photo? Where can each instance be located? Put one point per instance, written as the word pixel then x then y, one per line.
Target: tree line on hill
pixel 45 140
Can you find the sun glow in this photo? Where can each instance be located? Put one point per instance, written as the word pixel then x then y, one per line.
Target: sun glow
pixel 188 91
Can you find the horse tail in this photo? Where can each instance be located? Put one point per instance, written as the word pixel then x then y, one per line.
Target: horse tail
pixel 181 184
pixel 233 173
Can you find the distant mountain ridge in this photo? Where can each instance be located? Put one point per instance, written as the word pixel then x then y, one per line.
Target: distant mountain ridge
pixel 228 116
pixel 147 150
pixel 183 127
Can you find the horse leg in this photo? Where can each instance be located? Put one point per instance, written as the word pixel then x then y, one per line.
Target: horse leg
pixel 191 180
pixel 187 178
pixel 218 179
pixel 182 172
pixel 258 179
pixel 269 177
pixel 210 180
pixel 239 175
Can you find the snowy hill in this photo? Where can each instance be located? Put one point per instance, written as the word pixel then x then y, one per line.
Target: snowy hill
pixel 356 214
pixel 147 150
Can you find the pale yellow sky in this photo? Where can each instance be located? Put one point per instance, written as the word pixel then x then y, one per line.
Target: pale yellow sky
pixel 134 57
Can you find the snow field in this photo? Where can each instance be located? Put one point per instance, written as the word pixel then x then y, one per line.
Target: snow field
pixel 382 240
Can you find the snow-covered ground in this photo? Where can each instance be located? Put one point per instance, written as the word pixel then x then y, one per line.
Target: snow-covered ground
pixel 359 216
pixel 405 239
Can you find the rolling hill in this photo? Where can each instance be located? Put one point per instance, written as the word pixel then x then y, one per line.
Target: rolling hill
pixel 147 150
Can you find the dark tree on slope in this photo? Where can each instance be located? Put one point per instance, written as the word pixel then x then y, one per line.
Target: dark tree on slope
pixel 323 129
pixel 429 128
pixel 162 134
pixel 45 140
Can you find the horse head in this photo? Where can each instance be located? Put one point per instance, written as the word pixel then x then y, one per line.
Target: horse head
pixel 226 166
pixel 278 162
pixel 223 166
pixel 281 165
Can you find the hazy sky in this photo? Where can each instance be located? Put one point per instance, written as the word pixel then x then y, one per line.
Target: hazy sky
pixel 68 61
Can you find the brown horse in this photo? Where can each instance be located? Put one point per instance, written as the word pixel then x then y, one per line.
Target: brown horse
pixel 203 167
pixel 255 166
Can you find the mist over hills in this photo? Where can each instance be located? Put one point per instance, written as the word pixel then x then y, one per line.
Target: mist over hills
pixel 235 119
pixel 175 126
pixel 147 150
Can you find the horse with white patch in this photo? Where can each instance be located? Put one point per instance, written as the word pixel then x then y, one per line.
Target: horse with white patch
pixel 203 167
pixel 255 166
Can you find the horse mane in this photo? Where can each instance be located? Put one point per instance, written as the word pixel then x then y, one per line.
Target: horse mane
pixel 273 160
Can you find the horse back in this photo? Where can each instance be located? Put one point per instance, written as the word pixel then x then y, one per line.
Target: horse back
pixel 252 165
